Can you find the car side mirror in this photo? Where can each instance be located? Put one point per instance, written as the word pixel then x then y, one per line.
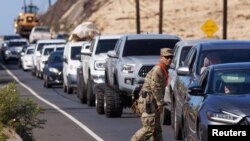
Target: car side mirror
pixel 86 52
pixel 196 91
pixel 38 54
pixel 22 53
pixel 65 60
pixel 183 71
pixel 172 66
pixel 112 54
pixel 4 45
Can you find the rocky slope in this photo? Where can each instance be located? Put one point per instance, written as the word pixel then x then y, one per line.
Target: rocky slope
pixel 180 17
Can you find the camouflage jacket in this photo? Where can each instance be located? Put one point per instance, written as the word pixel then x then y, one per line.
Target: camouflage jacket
pixel 155 82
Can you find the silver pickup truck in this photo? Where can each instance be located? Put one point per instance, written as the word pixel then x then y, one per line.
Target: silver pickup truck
pixel 126 67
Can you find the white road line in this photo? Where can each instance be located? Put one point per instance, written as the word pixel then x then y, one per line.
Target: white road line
pixel 84 127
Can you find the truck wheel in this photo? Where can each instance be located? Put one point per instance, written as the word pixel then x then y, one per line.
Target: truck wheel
pixel 46 83
pixel 69 89
pixel 64 87
pixel 90 94
pixel 113 103
pixel 82 94
pixel 99 91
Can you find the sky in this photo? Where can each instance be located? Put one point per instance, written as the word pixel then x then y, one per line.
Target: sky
pixel 9 9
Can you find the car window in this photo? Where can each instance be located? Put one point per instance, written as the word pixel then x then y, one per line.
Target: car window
pixel 47 51
pixel 42 29
pixel 222 56
pixel 144 47
pixel 30 51
pixel 41 45
pixel 75 52
pixel 104 46
pixel 60 48
pixel 183 55
pixel 232 81
pixel 15 44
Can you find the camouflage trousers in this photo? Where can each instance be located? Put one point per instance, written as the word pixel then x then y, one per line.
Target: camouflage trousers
pixel 151 128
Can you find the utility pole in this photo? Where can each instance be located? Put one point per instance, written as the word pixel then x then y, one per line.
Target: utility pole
pixel 137 7
pixel 49 3
pixel 224 19
pixel 160 16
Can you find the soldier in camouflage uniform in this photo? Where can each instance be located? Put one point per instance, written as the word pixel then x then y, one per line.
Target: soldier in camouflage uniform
pixel 151 99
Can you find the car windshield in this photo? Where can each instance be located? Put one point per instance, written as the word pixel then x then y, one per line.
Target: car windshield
pixel 145 47
pixel 11 37
pixel 30 51
pixel 42 29
pixel 75 52
pixel 105 45
pixel 231 81
pixel 210 57
pixel 15 44
pixel 41 45
pixel 59 48
pixel 56 58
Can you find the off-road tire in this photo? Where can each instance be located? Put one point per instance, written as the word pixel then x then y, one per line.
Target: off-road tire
pixel 69 89
pixel 113 103
pixel 90 93
pixel 177 126
pixel 100 92
pixel 82 94
pixel 64 87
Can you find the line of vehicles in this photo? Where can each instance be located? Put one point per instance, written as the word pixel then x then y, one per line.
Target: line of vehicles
pixel 108 71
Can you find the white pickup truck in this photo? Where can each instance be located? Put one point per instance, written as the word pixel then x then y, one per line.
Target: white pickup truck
pixel 93 62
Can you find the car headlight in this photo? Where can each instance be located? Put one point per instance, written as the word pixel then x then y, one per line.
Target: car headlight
pixel 54 70
pixel 224 116
pixel 100 65
pixel 128 68
pixel 7 52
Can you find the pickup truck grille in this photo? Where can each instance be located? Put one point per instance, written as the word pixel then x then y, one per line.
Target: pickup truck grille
pixel 144 70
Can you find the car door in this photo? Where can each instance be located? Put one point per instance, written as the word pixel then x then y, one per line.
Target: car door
pixel 194 103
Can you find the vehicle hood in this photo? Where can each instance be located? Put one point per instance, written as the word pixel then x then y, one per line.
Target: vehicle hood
pixel 237 104
pixel 152 60
pixel 16 49
pixel 28 57
pixel 101 56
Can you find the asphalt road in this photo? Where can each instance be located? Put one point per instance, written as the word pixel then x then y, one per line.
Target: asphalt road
pixel 68 119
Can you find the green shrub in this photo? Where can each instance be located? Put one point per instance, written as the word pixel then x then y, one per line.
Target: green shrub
pixel 19 114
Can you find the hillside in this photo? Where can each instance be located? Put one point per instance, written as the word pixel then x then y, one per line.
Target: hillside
pixel 180 17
